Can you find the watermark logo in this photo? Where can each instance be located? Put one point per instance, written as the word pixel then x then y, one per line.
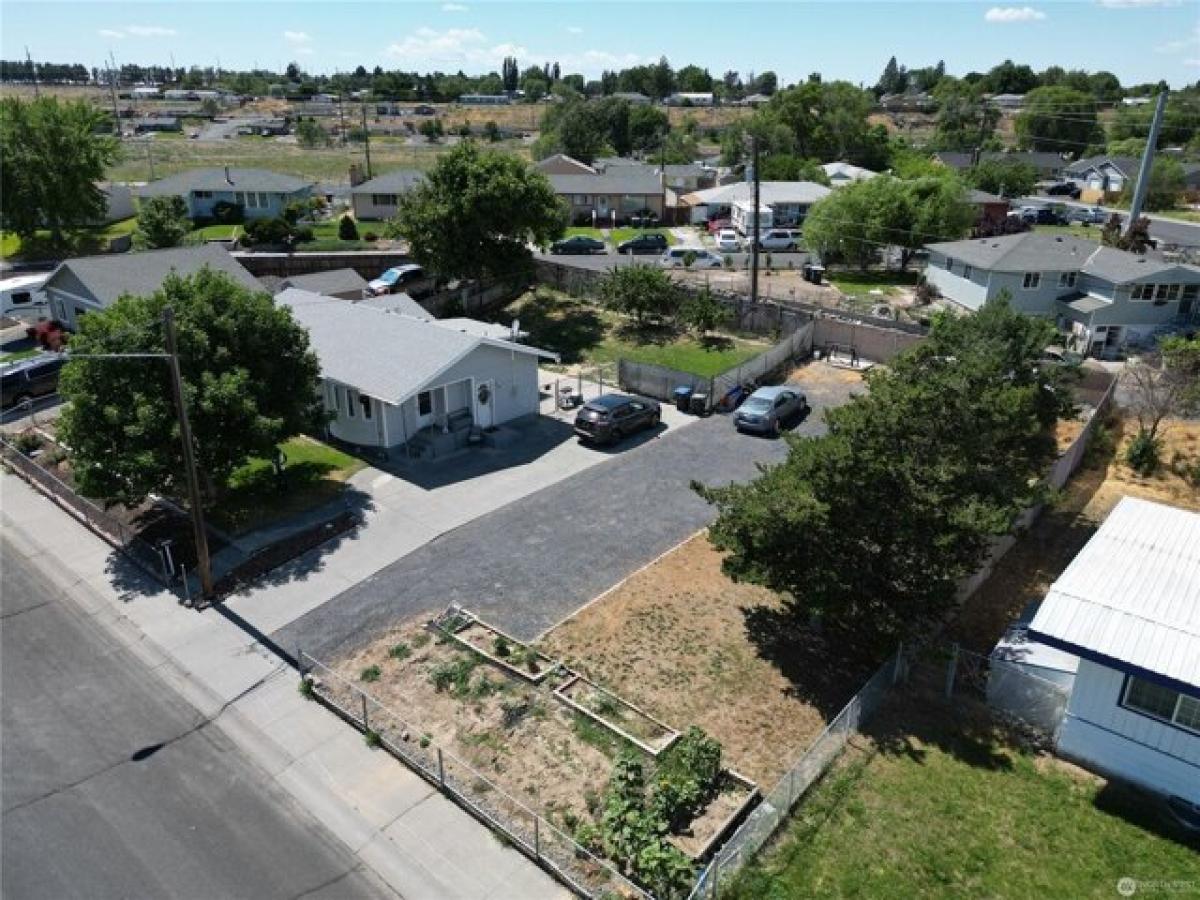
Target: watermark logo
pixel 1126 886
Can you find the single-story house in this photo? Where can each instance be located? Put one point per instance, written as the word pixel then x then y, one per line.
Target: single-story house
pixel 1103 297
pixel 610 196
pixel 379 198
pixel 398 382
pixel 157 123
pixel 400 303
pixel 841 173
pixel 686 177
pixel 991 207
pixel 1128 606
pixel 915 101
pixel 118 201
pixel 561 164
pixel 1047 165
pixel 789 201
pixel 755 100
pixel 1102 177
pixel 343 283
pixel 485 100
pixel 1007 101
pixel 88 283
pixel 633 97
pixel 690 98
pixel 262 194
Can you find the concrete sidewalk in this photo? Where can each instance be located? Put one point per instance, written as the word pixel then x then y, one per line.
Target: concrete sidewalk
pixel 417 841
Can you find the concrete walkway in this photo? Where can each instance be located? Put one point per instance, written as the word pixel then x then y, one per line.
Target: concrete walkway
pixel 421 844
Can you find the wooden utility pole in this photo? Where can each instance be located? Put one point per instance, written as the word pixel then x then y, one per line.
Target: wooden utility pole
pixel 112 89
pixel 1143 182
pixel 366 139
pixel 756 220
pixel 33 72
pixel 203 564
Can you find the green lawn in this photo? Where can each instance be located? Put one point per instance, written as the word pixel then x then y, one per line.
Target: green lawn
pixel 19 354
pixel 862 283
pixel 617 235
pixel 314 473
pixel 686 353
pixel 216 232
pixel 954 811
pixel 89 240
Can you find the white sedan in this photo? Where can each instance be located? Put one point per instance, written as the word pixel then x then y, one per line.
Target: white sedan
pixel 728 240
pixel 690 257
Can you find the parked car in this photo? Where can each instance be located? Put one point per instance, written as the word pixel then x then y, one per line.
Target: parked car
pixel 1054 355
pixel 1041 215
pixel 35 376
pixel 578 244
pixel 1064 189
pixel 644 243
pixel 611 417
pixel 728 240
pixel 394 280
pixel 677 257
pixel 765 411
pixel 779 239
pixel 1088 215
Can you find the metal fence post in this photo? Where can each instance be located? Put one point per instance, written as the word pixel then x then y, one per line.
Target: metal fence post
pixel 187 588
pixel 366 723
pixel 715 873
pixel 537 838
pixel 951 671
pixel 441 770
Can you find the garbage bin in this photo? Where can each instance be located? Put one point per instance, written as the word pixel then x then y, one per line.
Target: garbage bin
pixel 699 405
pixel 818 272
pixel 683 396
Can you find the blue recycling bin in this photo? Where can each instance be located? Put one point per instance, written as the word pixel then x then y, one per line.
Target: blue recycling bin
pixel 683 397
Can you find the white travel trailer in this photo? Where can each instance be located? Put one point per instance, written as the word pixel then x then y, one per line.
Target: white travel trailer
pixel 741 215
pixel 21 297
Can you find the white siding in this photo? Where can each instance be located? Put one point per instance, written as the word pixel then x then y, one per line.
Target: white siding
pixel 1102 735
pixel 514 374
pixel 964 292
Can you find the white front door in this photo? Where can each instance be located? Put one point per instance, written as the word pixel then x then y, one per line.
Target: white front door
pixel 485 403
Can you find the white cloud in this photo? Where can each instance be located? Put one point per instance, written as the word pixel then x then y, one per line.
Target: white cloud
pixel 574 29
pixel 1137 4
pixel 453 7
pixel 297 37
pixel 1186 43
pixel 111 33
pixel 466 46
pixel 1194 63
pixel 1009 14
pixel 150 31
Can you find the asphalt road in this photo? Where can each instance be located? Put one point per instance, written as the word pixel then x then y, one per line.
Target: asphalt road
pixel 602 262
pixel 1167 231
pixel 114 787
pixel 530 564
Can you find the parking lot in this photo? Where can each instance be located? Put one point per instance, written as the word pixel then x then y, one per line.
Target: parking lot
pixel 532 562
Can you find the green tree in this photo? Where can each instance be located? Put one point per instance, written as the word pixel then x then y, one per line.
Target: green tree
pixel 491 131
pixel 785 167
pixel 914 479
pixel 475 213
pixel 432 130
pixel 703 312
pixel 1165 188
pixel 647 125
pixel 161 222
pixel 1008 179
pixel 54 159
pixel 311 133
pixel 1181 121
pixel 1059 120
pixel 644 292
pixel 964 120
pixel 250 380
pixel 347 229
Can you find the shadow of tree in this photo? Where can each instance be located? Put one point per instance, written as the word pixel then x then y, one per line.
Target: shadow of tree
pixel 568 326
pixel 641 333
pixel 1147 811
pixel 716 342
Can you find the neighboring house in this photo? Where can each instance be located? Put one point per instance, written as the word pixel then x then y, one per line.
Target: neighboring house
pixel 1048 165
pixel 398 382
pixel 789 201
pixel 992 209
pixel 118 202
pixel 561 164
pixel 1102 178
pixel 632 97
pixel 379 198
pixel 485 100
pixel 610 196
pixel 89 283
pixel 1103 297
pixel 157 123
pixel 908 102
pixel 262 194
pixel 1128 606
pixel 841 173
pixel 755 100
pixel 688 177
pixel 1007 101
pixel 690 98
pixel 345 284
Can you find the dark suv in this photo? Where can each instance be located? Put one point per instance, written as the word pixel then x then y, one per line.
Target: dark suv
pixel 644 243
pixel 28 378
pixel 611 417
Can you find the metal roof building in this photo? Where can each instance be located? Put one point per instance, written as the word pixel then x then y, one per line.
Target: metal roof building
pixel 1131 598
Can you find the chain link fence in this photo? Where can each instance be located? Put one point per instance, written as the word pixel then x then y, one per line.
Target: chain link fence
pixel 577 867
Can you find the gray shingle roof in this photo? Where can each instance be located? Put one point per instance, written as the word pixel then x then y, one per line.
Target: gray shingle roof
pixel 400 303
pixel 108 277
pixel 214 179
pixel 1034 252
pixel 617 180
pixel 387 356
pixel 1041 159
pixel 685 170
pixel 336 281
pixel 400 181
pixel 976 196
pixel 1126 165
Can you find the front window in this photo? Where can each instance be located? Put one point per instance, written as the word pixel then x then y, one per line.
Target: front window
pixel 424 403
pixel 264 200
pixel 1066 280
pixel 1162 702
pixel 350 398
pixel 1142 292
pixel 203 195
pixel 365 402
pixel 21 297
pixel 1161 293
pixel 1031 281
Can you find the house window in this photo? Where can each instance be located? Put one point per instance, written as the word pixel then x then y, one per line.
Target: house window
pixel 1188 301
pixel 350 398
pixel 1142 292
pixel 365 402
pixel 950 265
pixel 20 298
pixel 384 200
pixel 1066 279
pixel 424 403
pixel 1173 293
pixel 264 200
pixel 966 271
pixel 1162 702
pixel 203 195
pixel 1160 294
pixel 583 199
pixel 251 201
pixel 1031 281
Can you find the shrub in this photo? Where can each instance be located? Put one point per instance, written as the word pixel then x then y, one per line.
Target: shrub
pixel 347 229
pixel 926 293
pixel 306 688
pixel 28 441
pixel 226 213
pixel 420 640
pixel 372 738
pixel 370 674
pixel 302 235
pixel 501 647
pixel 370 237
pixel 454 675
pixel 400 651
pixel 689 258
pixel 260 232
pixel 1142 454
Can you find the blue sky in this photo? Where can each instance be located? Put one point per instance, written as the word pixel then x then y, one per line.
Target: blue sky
pixel 1139 40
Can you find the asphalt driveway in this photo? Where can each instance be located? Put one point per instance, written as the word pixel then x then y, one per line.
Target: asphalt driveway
pixel 531 563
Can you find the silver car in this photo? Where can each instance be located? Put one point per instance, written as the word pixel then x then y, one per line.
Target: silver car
pixel 765 411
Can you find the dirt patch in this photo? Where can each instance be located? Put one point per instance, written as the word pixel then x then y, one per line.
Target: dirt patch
pixel 674 640
pixel 1043 553
pixel 816 374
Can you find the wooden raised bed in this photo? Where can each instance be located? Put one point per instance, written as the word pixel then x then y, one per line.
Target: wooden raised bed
pixel 619 716
pixel 498 648
pixel 734 798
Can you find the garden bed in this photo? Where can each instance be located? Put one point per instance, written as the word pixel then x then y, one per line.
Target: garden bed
pixel 495 646
pixel 735 796
pixel 619 716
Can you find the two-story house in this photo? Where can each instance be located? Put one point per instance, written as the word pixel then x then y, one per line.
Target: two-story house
pixel 262 194
pixel 1101 297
